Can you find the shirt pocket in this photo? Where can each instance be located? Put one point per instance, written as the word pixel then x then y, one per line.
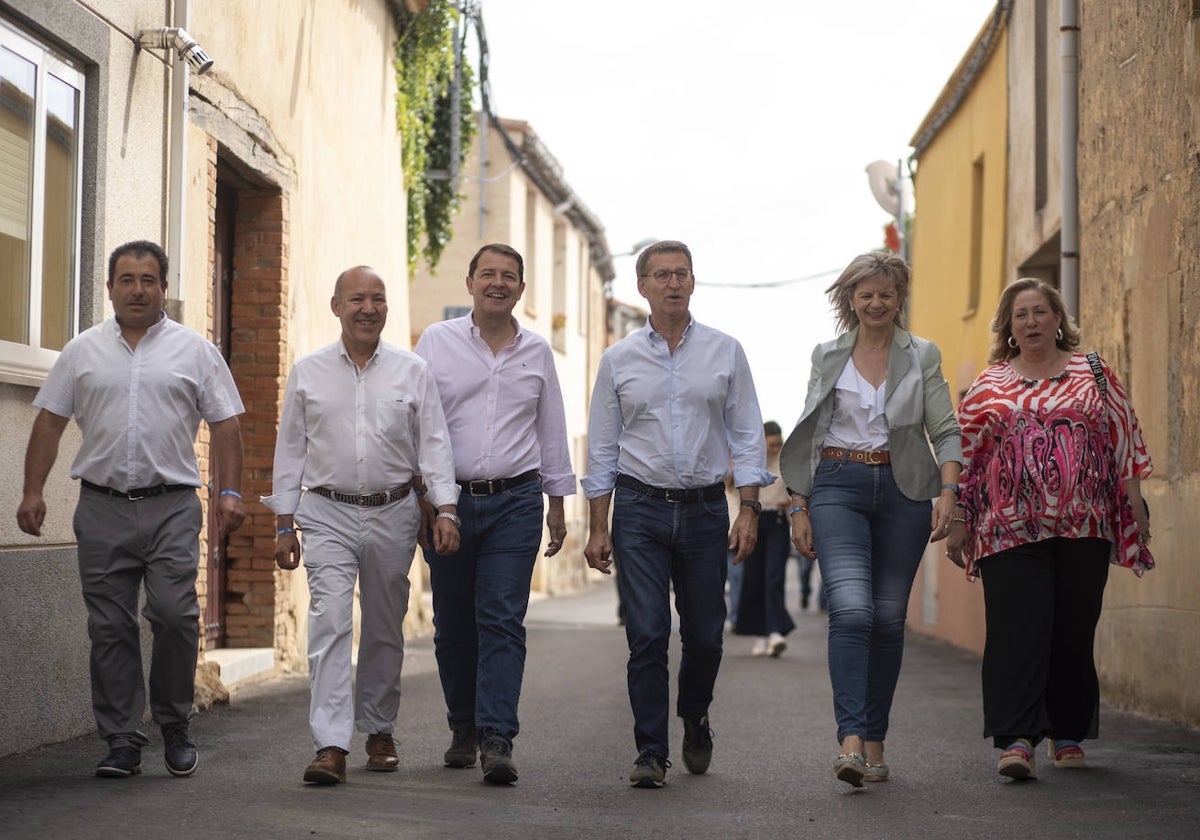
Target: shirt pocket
pixel 394 415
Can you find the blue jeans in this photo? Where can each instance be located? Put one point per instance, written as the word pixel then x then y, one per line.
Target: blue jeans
pixel 661 544
pixel 480 595
pixel 869 539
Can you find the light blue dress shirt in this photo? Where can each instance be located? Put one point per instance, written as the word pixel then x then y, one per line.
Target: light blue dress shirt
pixel 675 420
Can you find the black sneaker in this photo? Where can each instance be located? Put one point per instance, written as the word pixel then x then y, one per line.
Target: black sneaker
pixel 498 767
pixel 463 747
pixel 649 771
pixel 179 750
pixel 697 744
pixel 120 762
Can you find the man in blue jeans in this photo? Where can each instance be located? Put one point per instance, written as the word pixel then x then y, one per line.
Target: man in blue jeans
pixel 673 405
pixel 508 430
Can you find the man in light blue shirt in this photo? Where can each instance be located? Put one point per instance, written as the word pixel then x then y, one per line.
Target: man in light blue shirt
pixel 674 404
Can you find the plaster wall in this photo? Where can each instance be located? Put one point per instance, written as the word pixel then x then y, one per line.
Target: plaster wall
pixel 1139 180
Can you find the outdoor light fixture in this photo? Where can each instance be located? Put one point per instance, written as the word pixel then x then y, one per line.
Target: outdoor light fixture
pixel 167 38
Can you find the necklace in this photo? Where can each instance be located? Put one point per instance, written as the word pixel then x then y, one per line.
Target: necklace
pixel 1029 383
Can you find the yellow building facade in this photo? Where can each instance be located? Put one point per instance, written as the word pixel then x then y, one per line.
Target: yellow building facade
pixel 957 251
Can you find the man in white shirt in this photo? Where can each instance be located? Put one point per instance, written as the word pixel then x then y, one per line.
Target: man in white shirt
pixel 138 386
pixel 673 405
pixel 508 428
pixel 360 419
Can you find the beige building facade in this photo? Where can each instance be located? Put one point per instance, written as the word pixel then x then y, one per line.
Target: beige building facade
pixel 515 192
pixel 250 177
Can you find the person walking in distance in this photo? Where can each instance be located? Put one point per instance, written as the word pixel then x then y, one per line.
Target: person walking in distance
pixel 138 385
pixel 360 419
pixel 763 610
pixel 508 430
pixel 673 405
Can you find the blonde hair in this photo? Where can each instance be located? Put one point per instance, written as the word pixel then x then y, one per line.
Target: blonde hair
pixel 1000 351
pixel 869 266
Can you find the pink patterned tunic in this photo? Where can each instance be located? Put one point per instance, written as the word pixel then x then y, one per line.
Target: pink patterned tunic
pixel 1043 459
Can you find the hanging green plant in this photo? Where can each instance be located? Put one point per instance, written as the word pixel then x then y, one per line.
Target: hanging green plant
pixel 424 73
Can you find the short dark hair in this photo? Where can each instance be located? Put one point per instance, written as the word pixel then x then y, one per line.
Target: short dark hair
pixel 772 428
pixel 666 246
pixel 138 249
pixel 503 250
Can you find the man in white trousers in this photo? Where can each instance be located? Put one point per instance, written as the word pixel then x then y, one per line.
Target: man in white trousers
pixel 360 419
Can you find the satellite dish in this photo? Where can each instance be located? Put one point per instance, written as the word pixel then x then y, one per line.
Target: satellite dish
pixel 884 178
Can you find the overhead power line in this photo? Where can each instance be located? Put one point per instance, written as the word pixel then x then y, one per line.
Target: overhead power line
pixel 769 284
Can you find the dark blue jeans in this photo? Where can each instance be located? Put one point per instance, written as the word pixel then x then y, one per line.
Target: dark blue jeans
pixel 869 539
pixel 480 595
pixel 660 544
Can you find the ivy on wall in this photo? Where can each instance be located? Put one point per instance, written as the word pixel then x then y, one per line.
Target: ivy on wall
pixel 424 74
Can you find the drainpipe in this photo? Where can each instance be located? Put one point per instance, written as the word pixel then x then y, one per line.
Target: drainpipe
pixel 1069 235
pixel 176 173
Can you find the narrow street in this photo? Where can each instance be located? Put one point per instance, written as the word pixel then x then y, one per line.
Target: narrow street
pixel 771 774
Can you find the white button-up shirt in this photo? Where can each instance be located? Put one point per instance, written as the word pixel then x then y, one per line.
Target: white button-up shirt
pixel 505 411
pixel 139 407
pixel 675 420
pixel 361 430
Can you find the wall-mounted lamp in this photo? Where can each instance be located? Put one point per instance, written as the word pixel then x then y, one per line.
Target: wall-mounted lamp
pixel 167 38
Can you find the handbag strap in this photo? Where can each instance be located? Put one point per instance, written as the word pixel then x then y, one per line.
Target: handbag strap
pixel 1093 359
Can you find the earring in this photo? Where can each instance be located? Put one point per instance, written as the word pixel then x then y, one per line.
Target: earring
pixel 1058 336
pixel 1012 342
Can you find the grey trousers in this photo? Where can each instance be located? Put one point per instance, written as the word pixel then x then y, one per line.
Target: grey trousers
pixel 122 545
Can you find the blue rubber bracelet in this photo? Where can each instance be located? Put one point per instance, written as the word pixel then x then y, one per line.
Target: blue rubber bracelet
pixel 797 509
pixel 283 531
pixel 228 492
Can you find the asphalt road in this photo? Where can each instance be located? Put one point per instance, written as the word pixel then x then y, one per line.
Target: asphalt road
pixel 771 775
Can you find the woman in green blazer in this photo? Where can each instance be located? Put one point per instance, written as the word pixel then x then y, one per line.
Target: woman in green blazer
pixel 861 470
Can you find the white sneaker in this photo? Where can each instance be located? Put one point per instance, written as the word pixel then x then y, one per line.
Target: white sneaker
pixel 760 647
pixel 776 645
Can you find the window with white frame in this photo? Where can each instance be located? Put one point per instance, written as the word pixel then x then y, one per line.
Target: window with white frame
pixel 41 147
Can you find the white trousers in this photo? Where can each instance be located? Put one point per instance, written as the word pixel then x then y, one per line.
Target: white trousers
pixel 373 545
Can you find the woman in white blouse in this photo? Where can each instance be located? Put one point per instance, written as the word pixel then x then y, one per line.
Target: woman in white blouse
pixel 861 474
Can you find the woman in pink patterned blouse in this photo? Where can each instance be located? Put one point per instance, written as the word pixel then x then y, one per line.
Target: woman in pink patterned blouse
pixel 1051 495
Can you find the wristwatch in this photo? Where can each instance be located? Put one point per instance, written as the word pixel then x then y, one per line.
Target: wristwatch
pixel 753 504
pixel 453 517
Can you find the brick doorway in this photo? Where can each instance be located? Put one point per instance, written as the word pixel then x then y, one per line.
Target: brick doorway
pixel 248 223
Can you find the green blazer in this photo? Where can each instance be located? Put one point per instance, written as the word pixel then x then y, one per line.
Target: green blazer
pixel 917 406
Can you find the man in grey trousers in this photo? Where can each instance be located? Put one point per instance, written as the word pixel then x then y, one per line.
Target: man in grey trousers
pixel 138 385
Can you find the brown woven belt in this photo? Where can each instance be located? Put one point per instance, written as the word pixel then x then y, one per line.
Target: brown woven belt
pixel 872 457
pixel 377 499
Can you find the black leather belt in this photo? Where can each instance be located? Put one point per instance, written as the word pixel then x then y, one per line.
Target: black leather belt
pixel 490 486
pixel 673 494
pixel 376 499
pixel 137 493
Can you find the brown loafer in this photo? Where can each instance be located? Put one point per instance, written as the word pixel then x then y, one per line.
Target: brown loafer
pixel 328 768
pixel 381 753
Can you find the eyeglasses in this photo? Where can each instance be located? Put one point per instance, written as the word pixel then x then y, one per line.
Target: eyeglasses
pixel 664 277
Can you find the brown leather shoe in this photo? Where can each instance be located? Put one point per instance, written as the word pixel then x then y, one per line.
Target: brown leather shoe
pixel 381 753
pixel 328 768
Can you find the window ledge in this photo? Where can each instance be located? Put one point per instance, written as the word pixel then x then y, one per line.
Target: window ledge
pixel 22 365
